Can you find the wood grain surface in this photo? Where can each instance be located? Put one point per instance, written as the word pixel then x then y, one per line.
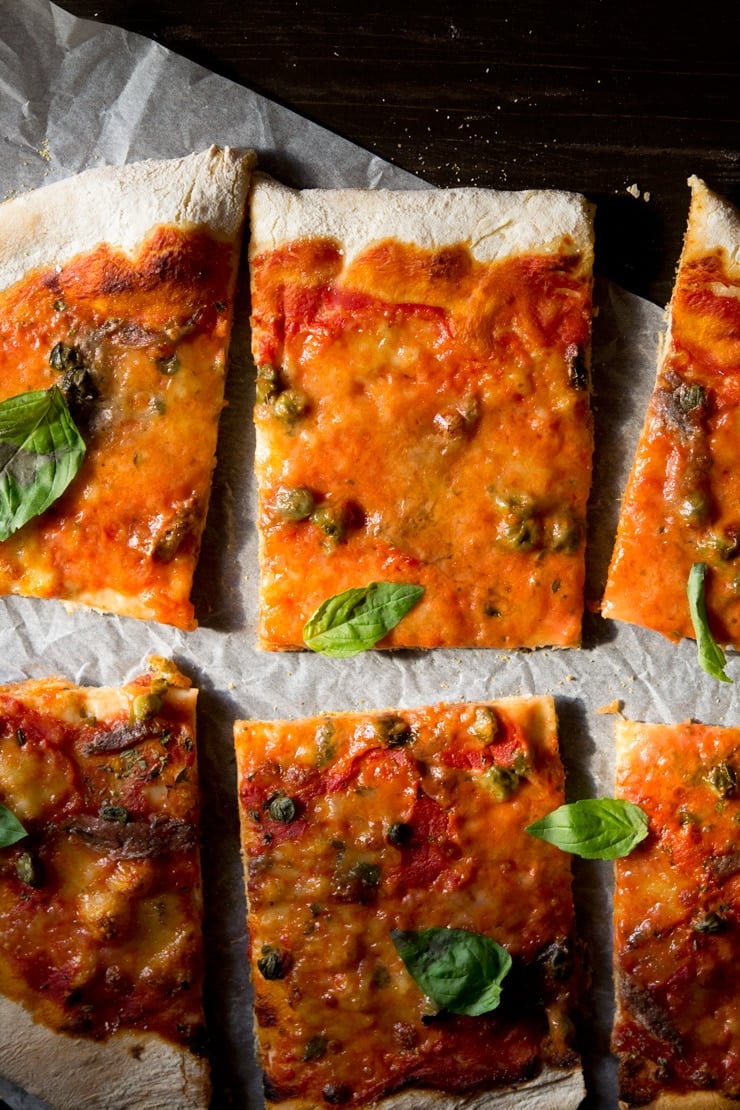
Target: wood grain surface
pixel 619 100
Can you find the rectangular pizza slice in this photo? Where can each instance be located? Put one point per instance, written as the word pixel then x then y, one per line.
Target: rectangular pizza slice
pixel 100 894
pixel 411 946
pixel 682 502
pixel 677 919
pixel 422 408
pixel 116 291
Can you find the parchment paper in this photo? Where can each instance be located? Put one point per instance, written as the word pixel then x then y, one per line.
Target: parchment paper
pixel 74 94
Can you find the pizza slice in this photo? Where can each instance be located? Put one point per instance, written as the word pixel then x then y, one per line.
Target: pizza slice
pixel 411 946
pixel 422 408
pixel 100 896
pixel 116 293
pixel 682 502
pixel 677 919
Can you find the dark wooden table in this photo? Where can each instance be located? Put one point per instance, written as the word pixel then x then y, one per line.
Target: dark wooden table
pixel 600 97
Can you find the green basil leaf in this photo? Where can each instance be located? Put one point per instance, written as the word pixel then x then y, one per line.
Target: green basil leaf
pixel 595 828
pixel 710 654
pixel 461 971
pixel 11 829
pixel 355 620
pixel 41 450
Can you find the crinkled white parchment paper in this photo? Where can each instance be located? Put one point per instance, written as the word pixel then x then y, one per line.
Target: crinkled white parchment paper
pixel 74 94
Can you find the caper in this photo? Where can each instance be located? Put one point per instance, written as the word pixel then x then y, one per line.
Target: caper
pixel 502 782
pixel 63 358
pixel 722 779
pixel 485 724
pixel 399 834
pixel 271 964
pixel 145 706
pixel 315 1048
pixel 394 732
pixel 268 383
pixel 281 808
pixel 330 521
pixel 294 504
pixel 695 507
pixel 116 814
pixel 29 869
pixel 690 397
pixel 168 366
pixel 290 404
pixel 710 923
pixel 520 533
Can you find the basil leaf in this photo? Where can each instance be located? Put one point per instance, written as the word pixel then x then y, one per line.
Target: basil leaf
pixel 41 450
pixel 355 620
pixel 461 971
pixel 711 656
pixel 595 828
pixel 11 829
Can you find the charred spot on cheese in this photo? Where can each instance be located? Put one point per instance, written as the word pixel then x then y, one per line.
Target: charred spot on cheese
pixel 337 1094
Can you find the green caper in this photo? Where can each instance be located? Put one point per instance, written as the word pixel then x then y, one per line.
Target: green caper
pixel 394 732
pixel 290 404
pixel 485 724
pixel 315 1048
pixel 520 532
pixel 399 834
pixel 695 507
pixel 331 522
pixel 281 808
pixel 116 814
pixel 63 358
pixel 502 782
pixel 710 923
pixel 29 869
pixel 145 706
pixel 268 383
pixel 722 779
pixel 272 964
pixel 294 504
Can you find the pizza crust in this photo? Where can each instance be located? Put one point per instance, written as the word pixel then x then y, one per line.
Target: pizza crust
pixel 137 1071
pixel 713 223
pixel 691 1100
pixel 120 205
pixel 505 223
pixel 551 1090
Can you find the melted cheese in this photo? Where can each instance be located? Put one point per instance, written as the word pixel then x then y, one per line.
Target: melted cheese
pixel 677 912
pixel 440 421
pixel 343 1018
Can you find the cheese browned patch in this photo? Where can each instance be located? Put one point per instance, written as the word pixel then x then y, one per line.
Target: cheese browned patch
pixel 117 286
pixel 100 903
pixel 354 825
pixel 682 502
pixel 423 408
pixel 677 918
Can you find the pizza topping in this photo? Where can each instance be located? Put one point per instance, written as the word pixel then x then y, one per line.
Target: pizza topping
pixel 711 657
pixel 29 869
pixel 282 808
pixel 289 405
pixel 11 830
pixel 135 839
pixel 722 779
pixel 272 964
pixel 294 504
pixel 129 733
pixel 461 971
pixel 41 451
pixel 594 828
pixel 356 619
